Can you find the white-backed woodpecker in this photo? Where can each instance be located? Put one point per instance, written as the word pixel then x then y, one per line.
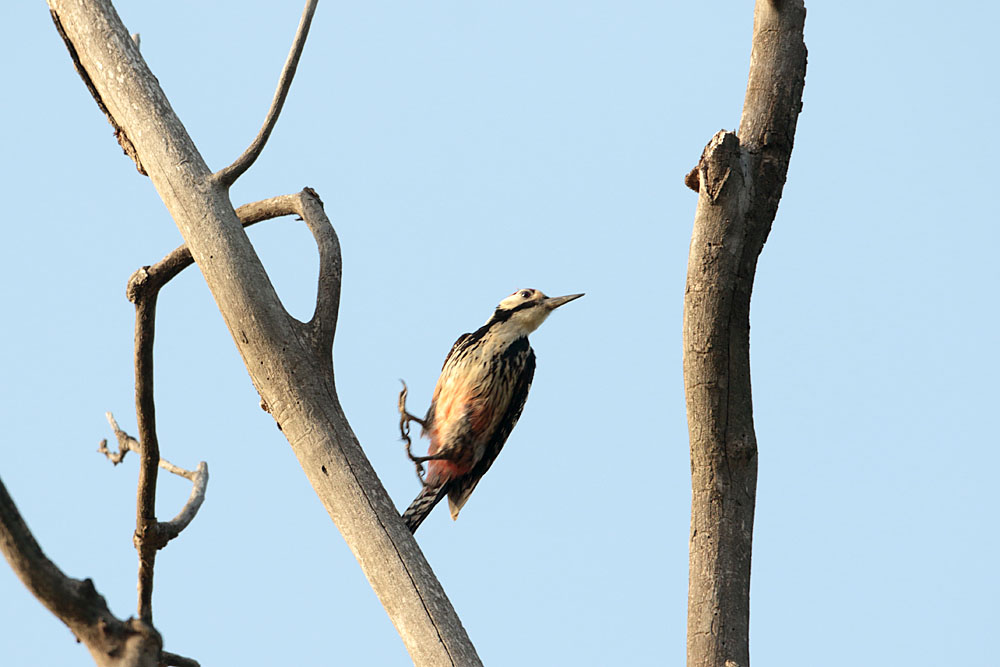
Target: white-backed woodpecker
pixel 477 400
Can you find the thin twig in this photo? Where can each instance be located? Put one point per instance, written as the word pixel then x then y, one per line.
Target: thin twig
pixel 127 443
pixel 199 482
pixel 228 176
pixel 151 535
pixel 147 540
pixel 164 531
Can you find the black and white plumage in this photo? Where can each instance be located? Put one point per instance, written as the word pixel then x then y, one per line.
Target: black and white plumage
pixel 478 399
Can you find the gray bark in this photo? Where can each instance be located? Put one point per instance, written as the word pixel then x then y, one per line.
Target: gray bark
pixel 288 361
pixel 739 180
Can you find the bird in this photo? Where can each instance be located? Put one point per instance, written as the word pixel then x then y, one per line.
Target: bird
pixel 477 400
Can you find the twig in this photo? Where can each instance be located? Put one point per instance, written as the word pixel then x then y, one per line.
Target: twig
pixel 163 531
pixel 229 175
pixel 199 482
pixel 147 539
pixel 126 443
pixel 198 478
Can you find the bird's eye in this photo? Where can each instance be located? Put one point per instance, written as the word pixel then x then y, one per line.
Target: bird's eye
pixel 526 293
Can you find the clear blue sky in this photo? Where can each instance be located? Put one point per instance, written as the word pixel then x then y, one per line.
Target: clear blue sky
pixel 465 150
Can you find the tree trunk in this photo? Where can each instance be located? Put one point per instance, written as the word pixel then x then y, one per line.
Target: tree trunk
pixel 739 181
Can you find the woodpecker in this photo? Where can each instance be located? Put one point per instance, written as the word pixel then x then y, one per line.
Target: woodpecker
pixel 477 400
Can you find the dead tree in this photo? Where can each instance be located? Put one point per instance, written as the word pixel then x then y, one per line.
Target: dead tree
pixel 289 361
pixel 739 180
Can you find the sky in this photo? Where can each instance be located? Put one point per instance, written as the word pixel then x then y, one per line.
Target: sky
pixel 465 150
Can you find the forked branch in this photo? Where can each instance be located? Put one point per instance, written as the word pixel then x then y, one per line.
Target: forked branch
pixel 309 207
pixel 288 361
pixel 198 478
pixel 143 290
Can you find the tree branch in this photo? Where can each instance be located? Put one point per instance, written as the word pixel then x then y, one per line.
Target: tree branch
pixel 309 207
pixel 228 176
pixel 739 180
pixel 283 359
pixel 111 642
pixel 147 539
pixel 198 478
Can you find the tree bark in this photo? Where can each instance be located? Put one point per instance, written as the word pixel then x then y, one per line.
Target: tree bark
pixel 288 361
pixel 739 181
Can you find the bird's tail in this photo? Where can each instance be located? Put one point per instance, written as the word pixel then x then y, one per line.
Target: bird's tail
pixel 422 505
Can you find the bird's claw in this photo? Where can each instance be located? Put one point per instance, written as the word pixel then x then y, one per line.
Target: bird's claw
pixel 404 431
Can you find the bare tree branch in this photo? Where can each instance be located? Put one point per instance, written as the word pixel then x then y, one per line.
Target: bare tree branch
pixel 284 358
pixel 308 206
pixel 152 535
pixel 111 642
pixel 197 477
pixel 199 482
pixel 147 538
pixel 228 176
pixel 739 180
pixel 323 324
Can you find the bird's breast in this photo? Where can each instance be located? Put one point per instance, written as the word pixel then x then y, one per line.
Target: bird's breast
pixel 471 395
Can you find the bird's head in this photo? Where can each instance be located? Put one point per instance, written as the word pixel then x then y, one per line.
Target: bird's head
pixel 524 311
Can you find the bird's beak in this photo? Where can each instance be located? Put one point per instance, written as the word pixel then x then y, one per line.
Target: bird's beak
pixel 554 302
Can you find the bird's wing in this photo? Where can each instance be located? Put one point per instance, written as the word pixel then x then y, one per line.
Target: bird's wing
pixel 458 343
pixel 462 488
